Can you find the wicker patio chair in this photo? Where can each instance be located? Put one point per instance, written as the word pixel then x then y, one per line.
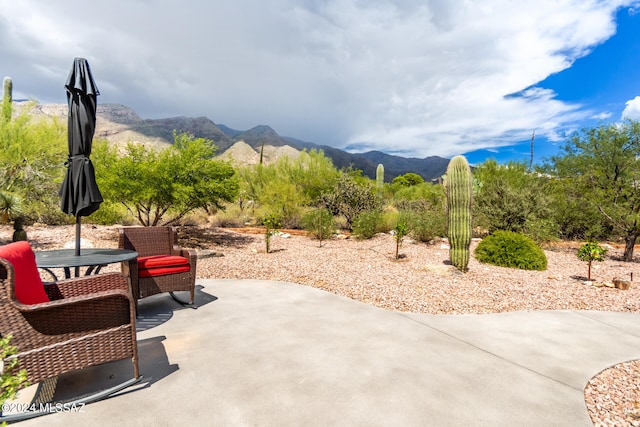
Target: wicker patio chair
pixel 65 326
pixel 161 266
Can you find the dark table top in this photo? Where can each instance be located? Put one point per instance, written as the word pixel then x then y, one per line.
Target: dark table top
pixel 64 258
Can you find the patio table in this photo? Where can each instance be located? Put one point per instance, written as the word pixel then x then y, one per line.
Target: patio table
pixel 93 258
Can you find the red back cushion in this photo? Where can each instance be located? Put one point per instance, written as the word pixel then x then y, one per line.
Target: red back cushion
pixel 28 285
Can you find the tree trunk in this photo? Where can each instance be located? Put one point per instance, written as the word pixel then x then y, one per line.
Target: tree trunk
pixel 630 241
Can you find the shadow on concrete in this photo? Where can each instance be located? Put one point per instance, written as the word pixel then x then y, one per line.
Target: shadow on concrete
pixel 158 309
pixel 154 366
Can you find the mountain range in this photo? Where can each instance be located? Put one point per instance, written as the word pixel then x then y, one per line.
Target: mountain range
pixel 120 124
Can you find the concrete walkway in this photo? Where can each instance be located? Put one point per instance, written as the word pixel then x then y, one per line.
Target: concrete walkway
pixel 277 354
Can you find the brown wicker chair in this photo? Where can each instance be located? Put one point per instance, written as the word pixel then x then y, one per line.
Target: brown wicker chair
pixel 87 321
pixel 161 266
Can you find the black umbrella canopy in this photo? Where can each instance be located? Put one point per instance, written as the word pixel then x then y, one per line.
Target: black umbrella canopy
pixel 80 194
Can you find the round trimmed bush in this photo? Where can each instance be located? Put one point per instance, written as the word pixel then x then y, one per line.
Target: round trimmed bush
pixel 509 249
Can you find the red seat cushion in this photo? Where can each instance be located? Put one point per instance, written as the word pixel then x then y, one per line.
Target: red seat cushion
pixel 161 271
pixel 28 285
pixel 155 261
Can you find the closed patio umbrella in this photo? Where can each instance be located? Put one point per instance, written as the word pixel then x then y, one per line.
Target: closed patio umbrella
pixel 80 194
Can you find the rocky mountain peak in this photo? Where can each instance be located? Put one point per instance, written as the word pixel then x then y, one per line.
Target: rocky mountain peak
pixel 118 113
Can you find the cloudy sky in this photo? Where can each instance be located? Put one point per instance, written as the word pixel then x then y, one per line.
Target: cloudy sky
pixel 408 77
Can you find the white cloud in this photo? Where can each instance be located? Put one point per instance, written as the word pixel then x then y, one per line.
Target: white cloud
pixel 632 109
pixel 602 115
pixel 417 77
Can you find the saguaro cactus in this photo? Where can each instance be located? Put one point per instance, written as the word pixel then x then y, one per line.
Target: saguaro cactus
pixel 379 179
pixel 458 185
pixel 7 98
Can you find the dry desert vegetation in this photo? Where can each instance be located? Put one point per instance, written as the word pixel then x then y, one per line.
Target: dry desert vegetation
pixel 421 280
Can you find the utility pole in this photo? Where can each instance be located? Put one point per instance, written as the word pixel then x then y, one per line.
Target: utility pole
pixel 533 136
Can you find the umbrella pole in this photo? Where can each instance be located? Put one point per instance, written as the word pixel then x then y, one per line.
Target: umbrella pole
pixel 77 252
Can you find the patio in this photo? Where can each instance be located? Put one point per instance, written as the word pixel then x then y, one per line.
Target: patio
pixel 274 353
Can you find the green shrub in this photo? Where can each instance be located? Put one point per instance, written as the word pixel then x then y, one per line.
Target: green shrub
pixel 388 220
pixel 272 223
pixel 509 249
pixel 425 226
pixel 110 213
pixel 230 218
pixel 12 378
pixel 542 230
pixel 10 206
pixel 319 223
pixel 367 224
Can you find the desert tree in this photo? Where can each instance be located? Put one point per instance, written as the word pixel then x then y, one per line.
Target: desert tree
pixel 287 186
pixel 32 156
pixel 604 164
pixel 350 196
pixel 161 186
pixel 407 180
pixel 509 197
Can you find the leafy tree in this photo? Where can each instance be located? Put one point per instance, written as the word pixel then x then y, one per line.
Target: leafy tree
pixel 32 155
pixel 510 198
pixel 314 173
pixel 575 219
pixel 288 185
pixel 350 197
pixel 406 180
pixel 153 184
pixel 400 231
pixel 604 164
pixel 589 252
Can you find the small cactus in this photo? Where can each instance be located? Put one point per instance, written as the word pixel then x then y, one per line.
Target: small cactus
pixel 7 98
pixel 379 179
pixel 458 185
pixel 19 233
pixel 261 153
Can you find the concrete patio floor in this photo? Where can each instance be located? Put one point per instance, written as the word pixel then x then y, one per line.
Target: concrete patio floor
pixel 279 354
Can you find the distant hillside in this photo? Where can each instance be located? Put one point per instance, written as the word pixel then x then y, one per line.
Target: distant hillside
pixel 121 124
pixel 430 168
pixel 243 154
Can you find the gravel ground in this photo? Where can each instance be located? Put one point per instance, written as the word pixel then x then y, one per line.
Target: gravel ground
pixel 421 280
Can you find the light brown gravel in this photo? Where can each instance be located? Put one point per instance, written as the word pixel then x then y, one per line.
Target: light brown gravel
pixel 421 281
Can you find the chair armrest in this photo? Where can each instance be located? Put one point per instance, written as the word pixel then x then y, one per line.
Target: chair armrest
pixel 188 253
pixel 82 313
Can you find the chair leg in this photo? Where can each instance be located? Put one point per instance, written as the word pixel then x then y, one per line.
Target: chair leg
pixel 178 300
